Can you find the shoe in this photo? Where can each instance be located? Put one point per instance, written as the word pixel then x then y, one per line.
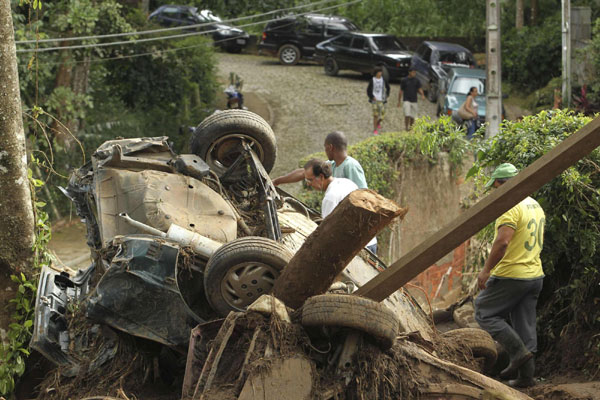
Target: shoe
pixel 375 132
pixel 517 351
pixel 378 126
pixel 521 382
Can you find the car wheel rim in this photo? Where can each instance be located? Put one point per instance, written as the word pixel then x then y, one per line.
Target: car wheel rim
pixel 288 55
pixel 225 150
pixel 246 282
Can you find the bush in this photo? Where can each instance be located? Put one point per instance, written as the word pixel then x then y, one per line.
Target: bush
pixel 532 56
pixel 568 305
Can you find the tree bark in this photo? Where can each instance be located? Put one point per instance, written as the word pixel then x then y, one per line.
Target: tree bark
pixel 520 17
pixel 16 211
pixel 327 251
pixel 534 12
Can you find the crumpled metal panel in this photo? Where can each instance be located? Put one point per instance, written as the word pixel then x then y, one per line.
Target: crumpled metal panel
pixel 153 147
pixel 139 295
pixel 160 199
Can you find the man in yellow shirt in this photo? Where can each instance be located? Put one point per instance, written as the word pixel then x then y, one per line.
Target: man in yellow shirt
pixel 511 281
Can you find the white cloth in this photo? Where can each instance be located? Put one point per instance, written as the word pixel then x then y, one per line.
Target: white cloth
pixel 337 191
pixel 378 87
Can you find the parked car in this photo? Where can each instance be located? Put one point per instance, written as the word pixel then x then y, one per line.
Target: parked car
pixel 227 37
pixel 432 60
pixel 294 37
pixel 177 240
pixel 362 52
pixel 454 89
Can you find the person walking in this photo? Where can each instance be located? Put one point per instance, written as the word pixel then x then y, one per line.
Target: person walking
pixel 511 281
pixel 318 174
pixel 407 98
pixel 378 92
pixel 343 166
pixel 471 112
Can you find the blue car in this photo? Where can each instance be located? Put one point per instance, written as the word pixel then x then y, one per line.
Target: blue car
pixel 455 87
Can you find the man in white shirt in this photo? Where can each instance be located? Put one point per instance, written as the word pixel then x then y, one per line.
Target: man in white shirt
pixel 318 174
pixel 378 92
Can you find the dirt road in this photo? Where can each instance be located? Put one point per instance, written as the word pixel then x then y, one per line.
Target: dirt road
pixel 306 104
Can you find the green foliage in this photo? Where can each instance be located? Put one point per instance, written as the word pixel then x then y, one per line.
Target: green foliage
pixel 571 201
pixel 531 56
pixel 14 351
pixel 380 156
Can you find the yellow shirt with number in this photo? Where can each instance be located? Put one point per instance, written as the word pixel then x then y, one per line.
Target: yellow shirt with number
pixel 522 257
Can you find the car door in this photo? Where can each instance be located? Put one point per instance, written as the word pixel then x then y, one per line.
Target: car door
pixel 341 49
pixel 310 32
pixel 359 54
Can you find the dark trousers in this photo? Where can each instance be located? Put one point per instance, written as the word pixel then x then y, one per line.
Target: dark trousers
pixel 511 300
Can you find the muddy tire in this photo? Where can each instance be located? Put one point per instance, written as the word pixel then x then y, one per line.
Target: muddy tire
pixel 479 341
pixel 241 271
pixel 464 316
pixel 289 54
pixel 216 140
pixel 331 66
pixel 348 311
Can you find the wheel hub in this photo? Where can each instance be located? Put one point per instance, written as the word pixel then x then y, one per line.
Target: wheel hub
pixel 246 282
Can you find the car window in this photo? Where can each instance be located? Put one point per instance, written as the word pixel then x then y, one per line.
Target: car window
pixel 335 28
pixel 170 11
pixel 387 43
pixel 462 85
pixel 454 57
pixel 426 55
pixel 343 40
pixel 358 43
pixel 315 27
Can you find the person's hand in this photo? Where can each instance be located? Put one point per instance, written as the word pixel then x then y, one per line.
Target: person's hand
pixel 276 181
pixel 482 278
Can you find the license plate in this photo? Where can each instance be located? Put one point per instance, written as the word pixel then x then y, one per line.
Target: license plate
pixel 240 41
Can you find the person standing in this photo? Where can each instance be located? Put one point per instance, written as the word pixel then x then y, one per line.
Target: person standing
pixel 319 175
pixel 343 166
pixel 409 88
pixel 378 92
pixel 471 109
pixel 511 281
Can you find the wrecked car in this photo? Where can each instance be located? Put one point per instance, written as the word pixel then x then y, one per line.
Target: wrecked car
pixel 178 240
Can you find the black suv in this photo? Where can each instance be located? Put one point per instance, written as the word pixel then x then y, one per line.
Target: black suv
pixel 227 37
pixel 362 52
pixel 433 60
pixel 294 37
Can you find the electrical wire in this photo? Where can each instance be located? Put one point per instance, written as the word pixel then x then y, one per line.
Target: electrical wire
pixel 152 31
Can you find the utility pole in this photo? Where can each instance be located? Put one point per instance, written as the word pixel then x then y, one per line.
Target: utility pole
pixel 493 98
pixel 566 52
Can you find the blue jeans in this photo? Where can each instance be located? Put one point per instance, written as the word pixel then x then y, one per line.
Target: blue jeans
pixel 472 126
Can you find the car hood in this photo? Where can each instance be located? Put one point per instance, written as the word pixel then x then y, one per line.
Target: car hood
pixel 224 27
pixel 454 101
pixel 396 55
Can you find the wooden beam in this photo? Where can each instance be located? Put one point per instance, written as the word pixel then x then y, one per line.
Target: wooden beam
pixel 500 200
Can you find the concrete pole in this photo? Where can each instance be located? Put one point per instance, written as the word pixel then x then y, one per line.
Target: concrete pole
pixel 566 52
pixel 494 72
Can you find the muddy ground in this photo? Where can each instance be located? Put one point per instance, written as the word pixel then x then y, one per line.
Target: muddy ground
pixel 302 105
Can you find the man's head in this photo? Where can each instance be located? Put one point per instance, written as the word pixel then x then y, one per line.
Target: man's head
pixel 335 143
pixel 378 71
pixel 412 72
pixel 501 174
pixel 316 173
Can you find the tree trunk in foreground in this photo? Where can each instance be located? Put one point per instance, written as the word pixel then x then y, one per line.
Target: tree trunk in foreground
pixel 327 251
pixel 16 213
pixel 520 15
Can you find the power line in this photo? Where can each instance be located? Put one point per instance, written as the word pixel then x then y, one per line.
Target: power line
pixel 147 32
pixel 127 42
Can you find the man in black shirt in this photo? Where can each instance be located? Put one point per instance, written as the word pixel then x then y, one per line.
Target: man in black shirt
pixel 410 86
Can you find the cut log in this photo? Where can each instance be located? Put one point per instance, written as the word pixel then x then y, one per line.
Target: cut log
pixel 327 251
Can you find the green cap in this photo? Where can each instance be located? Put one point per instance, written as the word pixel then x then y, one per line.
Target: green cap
pixel 502 171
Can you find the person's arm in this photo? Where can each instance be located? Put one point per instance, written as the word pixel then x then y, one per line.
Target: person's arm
pixel 505 235
pixel 422 93
pixel 387 90
pixel 469 106
pixel 400 96
pixel 295 176
pixel 370 91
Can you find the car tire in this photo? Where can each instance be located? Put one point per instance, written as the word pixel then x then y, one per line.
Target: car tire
pixel 289 54
pixel 385 73
pixel 439 110
pixel 240 271
pixel 354 312
pixel 479 341
pixel 331 66
pixel 223 130
pixel 432 92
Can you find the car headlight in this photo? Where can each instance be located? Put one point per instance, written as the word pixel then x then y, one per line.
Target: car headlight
pixel 225 32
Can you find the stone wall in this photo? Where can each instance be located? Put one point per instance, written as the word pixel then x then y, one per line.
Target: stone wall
pixel 433 193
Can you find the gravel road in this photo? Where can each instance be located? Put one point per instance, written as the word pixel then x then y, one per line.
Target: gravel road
pixel 305 104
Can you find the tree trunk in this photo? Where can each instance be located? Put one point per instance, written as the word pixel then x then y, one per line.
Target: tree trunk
pixel 327 251
pixel 534 12
pixel 16 212
pixel 520 17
